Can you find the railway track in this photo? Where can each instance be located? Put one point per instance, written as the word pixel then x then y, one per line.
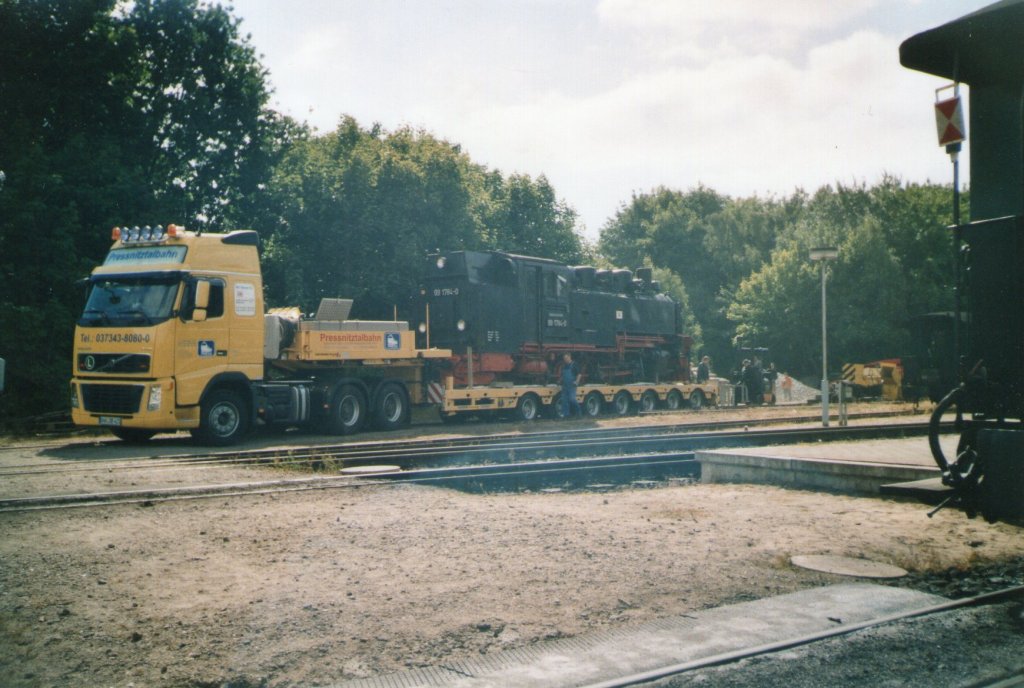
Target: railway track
pixel 415 448
pixel 534 461
pixel 568 473
pixel 298 452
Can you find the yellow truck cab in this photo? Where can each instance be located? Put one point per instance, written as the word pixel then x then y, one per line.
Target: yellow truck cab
pixel 173 336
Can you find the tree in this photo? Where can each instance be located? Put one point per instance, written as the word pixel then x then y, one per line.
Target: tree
pixel 525 217
pixel 779 306
pixel 147 113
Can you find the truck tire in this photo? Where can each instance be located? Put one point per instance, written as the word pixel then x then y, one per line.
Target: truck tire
pixel 133 435
pixel 697 400
pixel 593 403
pixel 622 403
pixel 648 401
pixel 347 411
pixel 528 407
pixel 674 400
pixel 223 419
pixel 390 407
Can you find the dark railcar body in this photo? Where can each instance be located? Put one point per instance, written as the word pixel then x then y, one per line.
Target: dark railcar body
pixel 984 50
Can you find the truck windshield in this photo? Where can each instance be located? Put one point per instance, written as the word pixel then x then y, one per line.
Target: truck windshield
pixel 119 300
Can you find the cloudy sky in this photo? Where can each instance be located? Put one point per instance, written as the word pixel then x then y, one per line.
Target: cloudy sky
pixel 611 97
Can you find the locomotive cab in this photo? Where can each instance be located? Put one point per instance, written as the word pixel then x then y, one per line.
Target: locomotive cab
pixel 494 302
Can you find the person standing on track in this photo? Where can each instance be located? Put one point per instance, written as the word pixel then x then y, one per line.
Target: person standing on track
pixel 570 379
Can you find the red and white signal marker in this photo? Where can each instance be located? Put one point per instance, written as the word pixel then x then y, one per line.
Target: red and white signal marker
pixel 949 120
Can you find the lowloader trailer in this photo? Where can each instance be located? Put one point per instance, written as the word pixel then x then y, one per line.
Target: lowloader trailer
pixel 527 402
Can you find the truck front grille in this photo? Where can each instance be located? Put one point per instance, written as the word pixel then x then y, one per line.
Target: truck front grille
pixel 113 363
pixel 112 398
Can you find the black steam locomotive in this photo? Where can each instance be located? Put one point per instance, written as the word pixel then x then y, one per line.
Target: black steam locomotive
pixel 508 318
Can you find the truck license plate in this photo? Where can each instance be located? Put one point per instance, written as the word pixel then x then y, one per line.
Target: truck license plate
pixel 110 420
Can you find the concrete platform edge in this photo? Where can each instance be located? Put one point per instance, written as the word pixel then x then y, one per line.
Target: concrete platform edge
pixel 805 473
pixel 607 655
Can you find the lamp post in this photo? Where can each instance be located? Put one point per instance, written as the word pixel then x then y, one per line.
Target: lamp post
pixel 823 255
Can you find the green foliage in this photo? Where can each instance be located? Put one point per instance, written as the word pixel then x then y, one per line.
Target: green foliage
pixel 779 306
pixel 745 265
pixel 147 113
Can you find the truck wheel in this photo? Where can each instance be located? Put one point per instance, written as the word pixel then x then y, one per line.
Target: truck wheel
pixel 622 404
pixel 648 401
pixel 133 435
pixel 348 411
pixel 528 407
pixel 674 400
pixel 223 420
pixel 592 405
pixel 697 400
pixel 391 408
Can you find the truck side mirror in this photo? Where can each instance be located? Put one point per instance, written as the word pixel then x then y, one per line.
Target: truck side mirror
pixel 201 301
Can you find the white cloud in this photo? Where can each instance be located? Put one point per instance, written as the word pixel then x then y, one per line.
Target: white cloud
pixel 743 125
pixel 702 15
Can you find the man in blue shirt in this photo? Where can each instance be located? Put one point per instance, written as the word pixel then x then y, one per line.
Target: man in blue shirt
pixel 570 378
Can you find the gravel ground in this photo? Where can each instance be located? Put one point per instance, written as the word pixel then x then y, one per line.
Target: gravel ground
pixel 313 588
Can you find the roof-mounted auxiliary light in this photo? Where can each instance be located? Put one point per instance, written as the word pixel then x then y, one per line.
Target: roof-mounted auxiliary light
pixel 147 234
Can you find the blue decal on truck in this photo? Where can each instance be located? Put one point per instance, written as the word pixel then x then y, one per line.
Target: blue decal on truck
pixel 206 348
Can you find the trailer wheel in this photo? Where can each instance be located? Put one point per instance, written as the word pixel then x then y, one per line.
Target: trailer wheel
pixel 555 409
pixel 223 420
pixel 133 435
pixel 674 400
pixel 697 400
pixel 391 407
pixel 622 404
pixel 348 411
pixel 592 405
pixel 528 407
pixel 648 401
